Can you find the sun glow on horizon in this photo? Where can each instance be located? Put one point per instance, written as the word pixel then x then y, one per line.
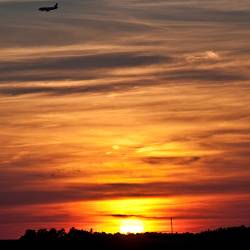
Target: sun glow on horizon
pixel 131 226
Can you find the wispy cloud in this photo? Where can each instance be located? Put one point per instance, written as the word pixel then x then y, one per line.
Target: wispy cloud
pixel 123 190
pixel 109 100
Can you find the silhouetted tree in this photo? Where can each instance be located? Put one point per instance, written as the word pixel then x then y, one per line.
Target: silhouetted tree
pixel 219 238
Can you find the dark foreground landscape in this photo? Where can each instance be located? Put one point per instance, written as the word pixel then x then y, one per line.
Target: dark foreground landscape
pixel 222 238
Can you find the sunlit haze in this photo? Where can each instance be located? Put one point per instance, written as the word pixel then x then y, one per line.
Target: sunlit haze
pixel 118 115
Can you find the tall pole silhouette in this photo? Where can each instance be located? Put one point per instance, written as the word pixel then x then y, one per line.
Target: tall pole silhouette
pixel 171 224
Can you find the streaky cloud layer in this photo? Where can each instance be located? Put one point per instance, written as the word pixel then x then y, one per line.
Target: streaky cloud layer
pixel 114 110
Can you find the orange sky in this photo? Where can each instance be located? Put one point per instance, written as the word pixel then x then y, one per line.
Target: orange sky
pixel 116 111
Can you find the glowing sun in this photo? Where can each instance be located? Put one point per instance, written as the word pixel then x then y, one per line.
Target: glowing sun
pixel 131 226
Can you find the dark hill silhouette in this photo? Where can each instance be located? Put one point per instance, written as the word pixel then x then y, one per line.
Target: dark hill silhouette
pixel 222 238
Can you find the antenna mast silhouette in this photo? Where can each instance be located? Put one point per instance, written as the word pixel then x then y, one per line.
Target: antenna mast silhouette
pixel 171 224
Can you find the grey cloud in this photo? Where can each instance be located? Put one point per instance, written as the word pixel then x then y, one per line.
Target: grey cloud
pixel 108 20
pixel 35 159
pixel 15 217
pixel 153 160
pixel 81 67
pixel 85 62
pixel 94 21
pixel 122 190
pixel 159 79
pixel 192 12
pixel 212 75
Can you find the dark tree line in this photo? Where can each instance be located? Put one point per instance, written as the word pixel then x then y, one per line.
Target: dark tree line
pixel 236 237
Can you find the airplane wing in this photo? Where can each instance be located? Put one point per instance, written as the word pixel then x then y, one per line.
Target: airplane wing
pixel 43 9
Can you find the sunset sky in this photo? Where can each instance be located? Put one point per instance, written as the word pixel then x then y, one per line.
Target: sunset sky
pixel 124 111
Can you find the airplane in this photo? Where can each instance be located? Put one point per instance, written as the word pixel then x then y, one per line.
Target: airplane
pixel 49 8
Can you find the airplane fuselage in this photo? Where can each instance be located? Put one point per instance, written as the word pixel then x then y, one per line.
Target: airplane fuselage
pixel 48 8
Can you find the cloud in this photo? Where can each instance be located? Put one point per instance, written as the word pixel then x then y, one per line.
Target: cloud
pixel 97 66
pixel 27 218
pixel 154 160
pixel 84 62
pixel 231 209
pixel 30 160
pixel 103 83
pixel 190 12
pixel 205 56
pixel 123 190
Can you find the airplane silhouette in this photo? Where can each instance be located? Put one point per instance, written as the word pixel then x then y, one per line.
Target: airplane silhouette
pixel 49 8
